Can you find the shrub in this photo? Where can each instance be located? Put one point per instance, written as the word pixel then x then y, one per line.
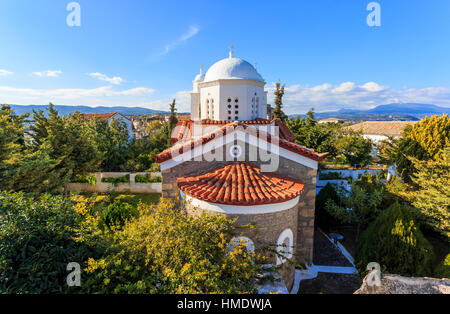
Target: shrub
pixel 85 179
pixel 147 179
pixel 443 270
pixel 116 181
pixel 37 241
pixel 330 176
pixel 167 251
pixel 118 213
pixel 323 218
pixel 396 243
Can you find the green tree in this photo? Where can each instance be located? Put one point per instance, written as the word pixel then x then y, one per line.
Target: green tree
pixel 277 112
pixel 141 152
pixel 172 123
pixel 424 140
pixel 443 269
pixel 167 251
pixel 323 218
pixel 12 143
pixel 113 141
pixel 320 137
pixel 69 141
pixel 362 205
pixel 355 149
pixel 432 196
pixel 37 241
pixel 396 243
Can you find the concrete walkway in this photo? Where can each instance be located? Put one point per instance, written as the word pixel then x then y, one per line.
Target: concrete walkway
pixel 312 271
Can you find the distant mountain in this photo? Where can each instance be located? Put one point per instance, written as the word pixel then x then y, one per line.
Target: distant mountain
pixel 395 111
pixel 64 110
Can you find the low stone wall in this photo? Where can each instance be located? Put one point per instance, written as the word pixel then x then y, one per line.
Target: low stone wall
pixel 395 284
pixel 105 187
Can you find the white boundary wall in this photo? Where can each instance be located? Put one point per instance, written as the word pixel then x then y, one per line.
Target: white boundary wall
pixel 105 187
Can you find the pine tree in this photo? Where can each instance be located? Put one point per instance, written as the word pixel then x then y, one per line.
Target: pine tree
pixel 172 118
pixel 395 242
pixel 277 112
pixel 432 197
pixel 424 140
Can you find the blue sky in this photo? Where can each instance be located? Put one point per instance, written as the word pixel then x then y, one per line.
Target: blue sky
pixel 143 53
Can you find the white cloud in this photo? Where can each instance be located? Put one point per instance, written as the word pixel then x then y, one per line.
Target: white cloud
pixel 116 80
pixel 104 95
pixel 5 73
pixel 48 73
pixel 328 97
pixel 192 31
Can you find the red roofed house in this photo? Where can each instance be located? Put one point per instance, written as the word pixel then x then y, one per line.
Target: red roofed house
pixel 228 159
pixel 108 116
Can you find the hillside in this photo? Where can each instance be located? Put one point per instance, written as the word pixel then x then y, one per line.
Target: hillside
pixel 389 112
pixel 64 110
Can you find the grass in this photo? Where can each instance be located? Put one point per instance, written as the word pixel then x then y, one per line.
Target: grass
pixel 144 198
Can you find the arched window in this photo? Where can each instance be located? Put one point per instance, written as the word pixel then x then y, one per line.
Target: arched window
pixel 285 246
pixel 212 109
pixel 236 107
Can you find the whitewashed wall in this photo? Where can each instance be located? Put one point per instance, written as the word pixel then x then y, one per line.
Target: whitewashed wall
pixel 105 187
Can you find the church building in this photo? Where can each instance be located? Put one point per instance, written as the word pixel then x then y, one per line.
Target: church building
pixel 230 159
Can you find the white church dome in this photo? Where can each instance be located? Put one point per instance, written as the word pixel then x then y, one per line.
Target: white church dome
pixel 232 68
pixel 199 78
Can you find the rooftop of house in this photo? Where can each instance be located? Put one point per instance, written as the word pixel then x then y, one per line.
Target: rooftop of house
pixel 331 120
pixel 184 146
pixel 241 184
pixel 387 128
pixel 99 116
pixel 183 130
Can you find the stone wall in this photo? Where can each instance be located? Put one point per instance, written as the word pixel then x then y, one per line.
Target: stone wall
pixel 395 284
pixel 304 223
pixel 269 226
pixel 105 187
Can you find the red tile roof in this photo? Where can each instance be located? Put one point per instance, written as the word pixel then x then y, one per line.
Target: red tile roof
pixel 189 145
pixel 183 130
pixel 241 184
pixel 99 116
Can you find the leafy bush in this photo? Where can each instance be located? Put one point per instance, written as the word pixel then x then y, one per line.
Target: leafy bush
pixel 396 243
pixel 118 213
pixel 85 179
pixel 147 179
pixel 116 181
pixel 37 241
pixel 167 251
pixel 443 270
pixel 323 218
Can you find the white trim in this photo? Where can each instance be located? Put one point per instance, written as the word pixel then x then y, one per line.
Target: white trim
pixel 287 252
pixel 242 210
pixel 230 137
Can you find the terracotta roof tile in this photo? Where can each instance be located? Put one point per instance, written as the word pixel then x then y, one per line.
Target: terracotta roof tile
pixel 241 184
pixel 183 130
pixel 184 146
pixel 388 128
pixel 99 116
